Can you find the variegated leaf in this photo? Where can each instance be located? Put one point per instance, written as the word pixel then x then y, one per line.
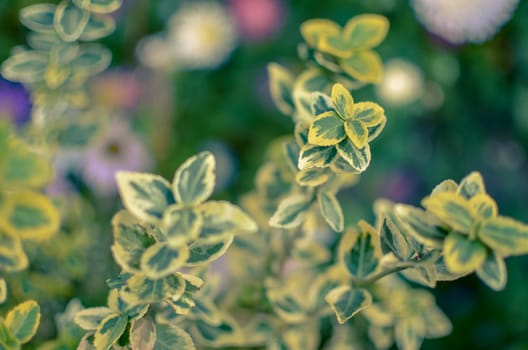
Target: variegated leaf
pixel 38 17
pixel 194 180
pixel 343 101
pixel 316 156
pixel 99 6
pixel 365 66
pixel 313 30
pixel 141 289
pixel 493 272
pixel 291 211
pixel 222 219
pixel 359 251
pixel 98 27
pixel 25 67
pixel 70 21
pixel 161 260
pixel 312 177
pixel 423 226
pixel 365 31
pixel 23 320
pixel 369 113
pixel 145 195
pixel 12 255
pixel 471 185
pixel 280 85
pixel 142 334
pixel 326 129
pixel 181 224
pixel 331 210
pixel 347 302
pixel 204 252
pixel 357 132
pixel 357 158
pixel 89 319
pixel 3 290
pixel 452 209
pixel 504 235
pixel 462 254
pixel 109 331
pixel 170 337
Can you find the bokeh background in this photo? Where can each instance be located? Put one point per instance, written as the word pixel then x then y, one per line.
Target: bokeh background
pixel 178 86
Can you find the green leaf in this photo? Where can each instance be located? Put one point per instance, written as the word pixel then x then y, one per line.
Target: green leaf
pixel 38 17
pixel 280 85
pixel 369 113
pixel 25 67
pixel 12 256
pixel 504 235
pixel 89 319
pixel 364 66
pixel 181 224
pixel 3 290
pixel 423 226
pixel 408 335
pixel 23 320
pixel 445 186
pixel 70 21
pixel 343 101
pixel 130 241
pixel 92 59
pixel 291 211
pixel 357 158
pixel 144 195
pixel 316 156
pixel 29 215
pixel 312 177
pixel 99 6
pixel 221 219
pixel 365 31
pixel 462 254
pixel 143 334
pixel 141 290
pixel 375 131
pixel 205 252
pixel 359 253
pixel 484 206
pixel 98 27
pixel 347 302
pixel 326 130
pixel 161 260
pixel 194 180
pixel 493 272
pixel 170 337
pixel 7 341
pixel 471 185
pixel 315 29
pixel 357 132
pixel 452 209
pixel 109 331
pixel 331 210
pixel 321 103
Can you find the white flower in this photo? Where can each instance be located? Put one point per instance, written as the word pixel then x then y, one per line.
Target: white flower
pixel 201 35
pixel 402 83
pixel 459 21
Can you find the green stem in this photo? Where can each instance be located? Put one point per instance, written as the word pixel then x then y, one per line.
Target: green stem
pixel 381 274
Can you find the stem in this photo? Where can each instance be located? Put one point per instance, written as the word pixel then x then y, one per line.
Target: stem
pixel 381 274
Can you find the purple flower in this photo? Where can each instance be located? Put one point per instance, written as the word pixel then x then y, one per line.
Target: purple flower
pixel 15 102
pixel 119 149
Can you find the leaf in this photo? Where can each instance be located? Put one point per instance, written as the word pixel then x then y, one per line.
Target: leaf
pixel 331 211
pixel 181 224
pixel 321 103
pixel 12 256
pixel 7 341
pixel 436 323
pixel 422 225
pixel 471 185
pixel 70 21
pixel 369 113
pixel 142 334
pixel 357 132
pixel 462 254
pixel 452 209
pixel 109 331
pixel 141 290
pixel 375 131
pixel 484 206
pixel 23 320
pixel 357 158
pixel 313 30
pixel 312 177
pixel 144 195
pixel 504 235
pixel 38 17
pixel 194 180
pixel 291 211
pixel 170 337
pixel 316 156
pixel 445 186
pixel 347 302
pixel 365 31
pixel 25 66
pixel 493 272
pixel 29 215
pixel 3 290
pixel 343 101
pixel 286 305
pixel 205 252
pixel 161 260
pixel 280 85
pixel 222 219
pixel 130 241
pixel 99 6
pixel 364 66
pixel 407 335
pixel 92 59
pixel 326 129
pixel 89 319
pixel 359 253
pixel 98 27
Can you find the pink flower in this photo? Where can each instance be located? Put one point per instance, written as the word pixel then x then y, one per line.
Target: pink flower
pixel 257 19
pixel 119 149
pixel 117 89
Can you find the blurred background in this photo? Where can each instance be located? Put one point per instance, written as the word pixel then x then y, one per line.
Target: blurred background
pixel 191 75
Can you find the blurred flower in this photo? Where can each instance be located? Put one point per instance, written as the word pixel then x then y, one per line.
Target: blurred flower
pixel 116 89
pixel 402 83
pixel 15 102
pixel 201 35
pixel 257 19
pixel 119 149
pixel 464 21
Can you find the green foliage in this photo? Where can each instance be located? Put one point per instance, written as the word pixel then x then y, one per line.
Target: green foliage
pixel 20 325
